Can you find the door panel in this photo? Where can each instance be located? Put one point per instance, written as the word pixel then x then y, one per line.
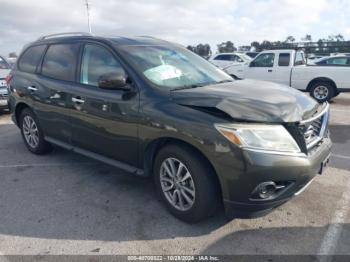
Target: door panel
pixel 104 121
pixel 52 109
pixel 261 68
pixel 58 73
pixel 283 67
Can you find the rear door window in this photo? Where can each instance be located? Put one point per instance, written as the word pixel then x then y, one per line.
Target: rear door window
pixel 60 61
pixel 283 59
pixel 31 58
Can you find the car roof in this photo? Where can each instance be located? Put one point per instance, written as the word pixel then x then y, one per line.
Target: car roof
pixel 227 54
pixel 332 57
pixel 117 40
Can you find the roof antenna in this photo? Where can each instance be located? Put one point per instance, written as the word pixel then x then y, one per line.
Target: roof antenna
pixel 87 4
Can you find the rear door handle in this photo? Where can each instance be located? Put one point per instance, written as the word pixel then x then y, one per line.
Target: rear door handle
pixel 78 100
pixel 32 88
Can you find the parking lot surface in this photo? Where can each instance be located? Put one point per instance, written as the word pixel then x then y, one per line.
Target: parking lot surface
pixel 63 203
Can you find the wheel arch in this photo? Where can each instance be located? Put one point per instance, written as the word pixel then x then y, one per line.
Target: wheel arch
pixel 321 79
pixel 155 145
pixel 18 109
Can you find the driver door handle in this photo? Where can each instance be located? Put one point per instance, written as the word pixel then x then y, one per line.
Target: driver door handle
pixel 270 70
pixel 32 88
pixel 78 100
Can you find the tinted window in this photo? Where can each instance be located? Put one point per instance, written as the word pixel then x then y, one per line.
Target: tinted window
pixel 223 57
pixel 31 58
pixel 338 61
pixel 60 61
pixel 284 59
pixel 264 60
pixel 97 61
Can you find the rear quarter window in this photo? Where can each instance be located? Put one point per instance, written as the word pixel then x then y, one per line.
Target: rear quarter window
pixel 283 59
pixel 60 61
pixel 31 58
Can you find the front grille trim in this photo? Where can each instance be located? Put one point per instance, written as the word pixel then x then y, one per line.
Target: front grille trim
pixel 318 122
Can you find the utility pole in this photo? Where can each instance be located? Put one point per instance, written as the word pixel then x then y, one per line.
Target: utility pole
pixel 87 4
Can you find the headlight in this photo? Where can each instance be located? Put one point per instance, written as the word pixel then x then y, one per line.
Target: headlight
pixel 259 136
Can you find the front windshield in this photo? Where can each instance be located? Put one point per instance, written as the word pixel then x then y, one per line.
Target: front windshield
pixel 173 67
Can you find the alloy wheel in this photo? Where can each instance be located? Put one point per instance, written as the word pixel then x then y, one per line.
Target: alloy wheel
pixel 177 184
pixel 30 131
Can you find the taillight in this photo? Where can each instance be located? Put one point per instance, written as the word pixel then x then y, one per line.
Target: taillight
pixel 8 79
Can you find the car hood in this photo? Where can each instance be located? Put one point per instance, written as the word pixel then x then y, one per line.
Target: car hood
pixel 250 100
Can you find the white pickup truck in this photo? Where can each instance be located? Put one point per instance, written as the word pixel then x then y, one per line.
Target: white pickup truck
pixel 288 67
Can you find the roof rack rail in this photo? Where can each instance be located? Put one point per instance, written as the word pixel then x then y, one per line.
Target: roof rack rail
pixel 63 35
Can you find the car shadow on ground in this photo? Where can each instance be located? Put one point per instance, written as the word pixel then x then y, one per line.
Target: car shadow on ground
pixel 66 196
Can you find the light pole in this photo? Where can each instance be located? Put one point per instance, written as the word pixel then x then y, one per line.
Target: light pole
pixel 87 4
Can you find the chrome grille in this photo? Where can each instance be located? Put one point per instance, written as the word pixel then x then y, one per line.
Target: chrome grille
pixel 315 129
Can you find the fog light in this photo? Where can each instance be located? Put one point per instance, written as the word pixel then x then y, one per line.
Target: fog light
pixel 268 190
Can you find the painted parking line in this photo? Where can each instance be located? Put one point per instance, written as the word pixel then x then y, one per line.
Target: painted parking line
pixel 331 238
pixel 340 156
pixel 340 110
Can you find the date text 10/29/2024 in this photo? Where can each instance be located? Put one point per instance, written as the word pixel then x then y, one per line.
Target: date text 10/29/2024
pixel 173 258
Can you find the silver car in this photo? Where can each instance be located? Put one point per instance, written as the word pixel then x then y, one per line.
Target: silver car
pixel 4 71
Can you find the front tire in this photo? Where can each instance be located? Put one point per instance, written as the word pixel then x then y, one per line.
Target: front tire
pixel 186 183
pixel 322 91
pixel 32 133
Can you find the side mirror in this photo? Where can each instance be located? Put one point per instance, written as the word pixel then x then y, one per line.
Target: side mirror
pixel 114 80
pixel 251 64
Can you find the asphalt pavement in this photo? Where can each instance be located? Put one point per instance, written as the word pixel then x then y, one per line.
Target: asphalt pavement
pixel 63 203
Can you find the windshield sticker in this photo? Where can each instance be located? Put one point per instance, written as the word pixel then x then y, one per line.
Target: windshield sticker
pixel 163 72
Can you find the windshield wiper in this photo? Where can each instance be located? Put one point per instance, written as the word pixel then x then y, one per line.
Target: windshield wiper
pixel 224 81
pixel 186 87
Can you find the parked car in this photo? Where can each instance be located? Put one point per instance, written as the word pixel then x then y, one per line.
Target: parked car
pixel 11 61
pixel 310 60
pixel 251 54
pixel 4 71
pixel 334 61
pixel 288 67
pixel 156 109
pixel 223 60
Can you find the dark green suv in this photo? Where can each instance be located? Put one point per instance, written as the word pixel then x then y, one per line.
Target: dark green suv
pixel 155 109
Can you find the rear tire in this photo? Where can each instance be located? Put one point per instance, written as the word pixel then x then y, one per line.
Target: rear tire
pixel 205 197
pixel 322 91
pixel 32 133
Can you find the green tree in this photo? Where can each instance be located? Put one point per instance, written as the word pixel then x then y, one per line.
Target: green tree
pixel 339 37
pixel 290 39
pixel 307 38
pixel 256 46
pixel 226 47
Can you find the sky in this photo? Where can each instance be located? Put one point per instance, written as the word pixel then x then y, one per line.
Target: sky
pixel 188 22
